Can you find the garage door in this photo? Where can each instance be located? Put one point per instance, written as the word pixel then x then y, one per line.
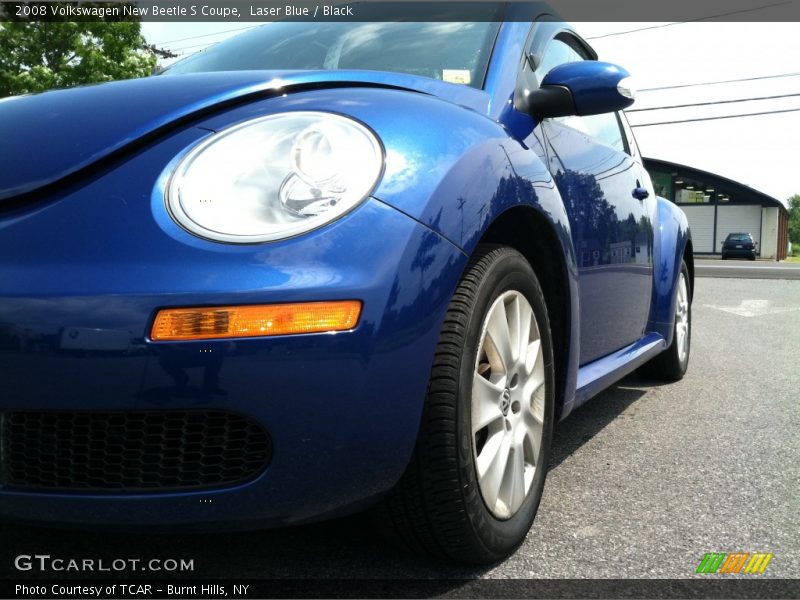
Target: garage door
pixel 738 219
pixel 701 224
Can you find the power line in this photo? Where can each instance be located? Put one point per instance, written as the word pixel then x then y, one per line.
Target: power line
pixel 712 103
pixel 195 37
pixel 768 112
pixel 605 35
pixel 204 45
pixel 727 14
pixel 685 85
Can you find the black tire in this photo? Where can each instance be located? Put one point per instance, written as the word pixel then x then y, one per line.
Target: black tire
pixel 668 366
pixel 437 507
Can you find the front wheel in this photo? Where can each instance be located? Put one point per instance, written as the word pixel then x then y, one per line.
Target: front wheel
pixel 476 478
pixel 671 364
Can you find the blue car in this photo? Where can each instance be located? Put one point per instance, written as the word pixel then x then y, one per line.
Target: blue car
pixel 321 268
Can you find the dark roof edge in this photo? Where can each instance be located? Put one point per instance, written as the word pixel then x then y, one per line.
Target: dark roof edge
pixel 765 199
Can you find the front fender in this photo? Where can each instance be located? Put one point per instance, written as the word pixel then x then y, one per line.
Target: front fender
pixel 452 169
pixel 478 175
pixel 670 241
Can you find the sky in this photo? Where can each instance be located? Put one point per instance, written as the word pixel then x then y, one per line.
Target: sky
pixel 760 151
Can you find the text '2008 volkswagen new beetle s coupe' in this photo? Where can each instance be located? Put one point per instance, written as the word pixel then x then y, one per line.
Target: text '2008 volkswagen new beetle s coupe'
pixel 321 268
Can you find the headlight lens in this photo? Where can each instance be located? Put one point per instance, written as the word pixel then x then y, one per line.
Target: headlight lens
pixel 275 177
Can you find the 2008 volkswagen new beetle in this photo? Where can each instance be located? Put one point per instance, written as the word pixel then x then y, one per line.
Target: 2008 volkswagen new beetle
pixel 326 267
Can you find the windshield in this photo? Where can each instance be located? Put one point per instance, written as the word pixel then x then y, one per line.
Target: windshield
pixel 454 52
pixel 739 237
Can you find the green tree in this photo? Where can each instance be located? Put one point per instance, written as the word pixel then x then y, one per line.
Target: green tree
pixel 36 56
pixel 794 219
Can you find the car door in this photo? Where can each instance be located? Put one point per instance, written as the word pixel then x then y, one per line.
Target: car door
pixel 610 206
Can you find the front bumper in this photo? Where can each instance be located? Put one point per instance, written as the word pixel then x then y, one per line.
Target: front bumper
pixel 341 410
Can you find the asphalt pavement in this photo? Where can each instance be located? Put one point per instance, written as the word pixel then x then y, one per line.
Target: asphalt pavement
pixel 644 479
pixel 745 269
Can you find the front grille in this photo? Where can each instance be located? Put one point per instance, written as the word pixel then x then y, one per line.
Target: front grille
pixel 129 451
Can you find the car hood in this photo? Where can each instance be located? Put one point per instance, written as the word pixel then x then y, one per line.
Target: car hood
pixel 53 135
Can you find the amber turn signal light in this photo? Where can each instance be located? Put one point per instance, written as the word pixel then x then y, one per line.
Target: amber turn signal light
pixel 215 322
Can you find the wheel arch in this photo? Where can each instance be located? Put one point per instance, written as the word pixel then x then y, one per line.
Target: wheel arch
pixel 490 188
pixel 688 257
pixel 529 232
pixel 672 245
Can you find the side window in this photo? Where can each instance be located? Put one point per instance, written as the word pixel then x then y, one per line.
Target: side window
pixel 557 53
pixel 633 148
pixel 605 128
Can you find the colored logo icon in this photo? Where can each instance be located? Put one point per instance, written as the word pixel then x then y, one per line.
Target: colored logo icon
pixel 734 562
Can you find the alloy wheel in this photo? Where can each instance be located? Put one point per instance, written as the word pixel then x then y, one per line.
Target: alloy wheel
pixel 682 318
pixel 508 404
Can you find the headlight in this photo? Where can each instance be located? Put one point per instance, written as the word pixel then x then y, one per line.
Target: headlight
pixel 274 177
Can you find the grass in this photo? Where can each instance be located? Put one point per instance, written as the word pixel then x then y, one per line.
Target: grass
pixel 792 259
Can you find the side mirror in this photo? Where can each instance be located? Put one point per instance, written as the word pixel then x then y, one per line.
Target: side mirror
pixel 582 88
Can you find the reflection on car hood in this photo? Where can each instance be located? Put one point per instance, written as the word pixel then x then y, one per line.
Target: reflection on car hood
pixel 49 136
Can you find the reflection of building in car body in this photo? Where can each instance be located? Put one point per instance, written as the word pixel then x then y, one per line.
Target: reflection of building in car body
pixel 717 206
pixel 631 251
pixel 88 339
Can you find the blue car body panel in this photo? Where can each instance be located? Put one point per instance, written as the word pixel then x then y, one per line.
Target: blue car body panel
pixel 114 273
pixel 87 244
pixel 59 120
pixel 672 240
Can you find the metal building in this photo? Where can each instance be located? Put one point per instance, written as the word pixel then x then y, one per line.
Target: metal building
pixel 717 206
